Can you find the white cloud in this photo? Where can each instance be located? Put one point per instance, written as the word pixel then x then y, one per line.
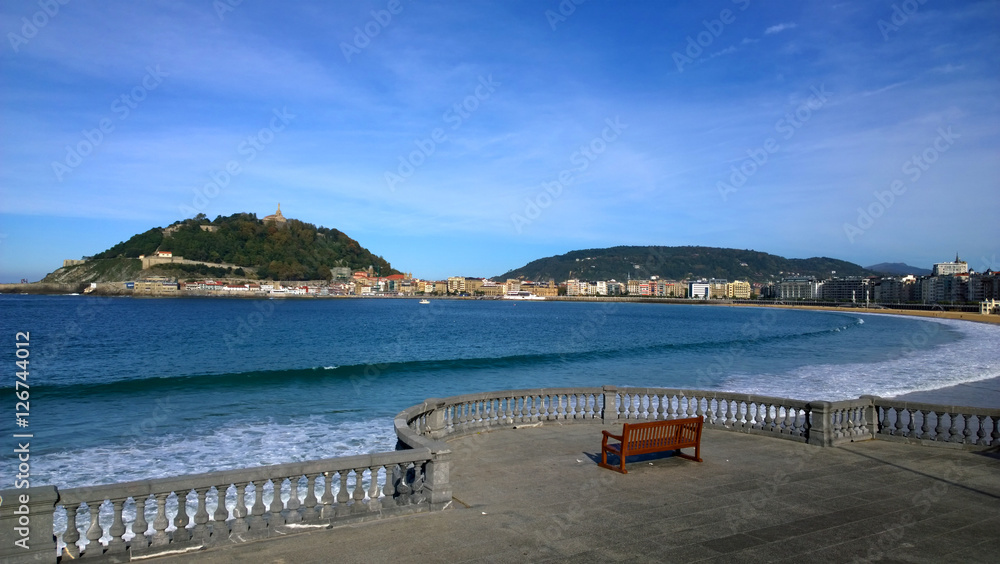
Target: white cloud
pixel 779 28
pixel 727 51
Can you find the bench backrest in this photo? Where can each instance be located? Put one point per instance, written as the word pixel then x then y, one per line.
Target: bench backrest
pixel 668 431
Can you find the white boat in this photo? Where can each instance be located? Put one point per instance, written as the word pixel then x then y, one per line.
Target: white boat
pixel 425 301
pixel 514 295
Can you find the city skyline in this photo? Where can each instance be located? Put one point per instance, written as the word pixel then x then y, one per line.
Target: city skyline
pixel 470 139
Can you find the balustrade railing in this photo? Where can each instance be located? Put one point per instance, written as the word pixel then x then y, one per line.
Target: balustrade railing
pixel 235 506
pixel 818 422
pixel 763 415
pixel 118 521
pixel 936 424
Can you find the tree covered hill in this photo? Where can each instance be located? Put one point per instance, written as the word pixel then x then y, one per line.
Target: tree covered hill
pixel 291 251
pixel 677 263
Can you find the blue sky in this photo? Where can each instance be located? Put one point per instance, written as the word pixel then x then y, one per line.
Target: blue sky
pixel 468 138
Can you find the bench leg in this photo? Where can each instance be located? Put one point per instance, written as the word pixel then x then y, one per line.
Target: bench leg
pixel 604 463
pixel 696 458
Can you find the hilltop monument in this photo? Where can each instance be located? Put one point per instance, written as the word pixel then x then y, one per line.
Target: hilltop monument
pixel 276 217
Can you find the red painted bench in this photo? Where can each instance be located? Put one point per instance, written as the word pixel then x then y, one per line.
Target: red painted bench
pixel 653 436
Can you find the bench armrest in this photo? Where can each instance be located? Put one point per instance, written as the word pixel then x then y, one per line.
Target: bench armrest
pixel 607 435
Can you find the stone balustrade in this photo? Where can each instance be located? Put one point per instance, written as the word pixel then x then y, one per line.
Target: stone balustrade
pixel 925 423
pixel 116 522
pixel 761 415
pixel 819 422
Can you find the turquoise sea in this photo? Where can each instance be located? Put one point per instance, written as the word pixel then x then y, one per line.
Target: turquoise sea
pixel 124 388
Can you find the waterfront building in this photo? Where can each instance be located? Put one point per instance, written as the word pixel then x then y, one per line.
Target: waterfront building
pixel 614 288
pixel 640 287
pixel 545 290
pixel 990 282
pixel 946 268
pixel 601 288
pixel 738 289
pixel 699 290
pixel 799 288
pixel 717 288
pixel 953 288
pixel 574 287
pixel 894 290
pixel 456 284
pixel 492 289
pixel 852 289
pixel 155 286
pixel 473 285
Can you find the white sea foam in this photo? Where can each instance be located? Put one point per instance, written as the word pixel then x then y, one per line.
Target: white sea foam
pixel 974 358
pixel 243 446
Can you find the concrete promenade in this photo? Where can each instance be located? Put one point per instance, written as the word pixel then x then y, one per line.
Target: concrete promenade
pixel 535 494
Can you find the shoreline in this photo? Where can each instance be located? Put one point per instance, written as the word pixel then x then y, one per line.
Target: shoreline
pixel 981 393
pixel 46 288
pixel 938 314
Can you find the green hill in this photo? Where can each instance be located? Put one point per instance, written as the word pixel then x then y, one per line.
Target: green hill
pixel 291 251
pixel 678 263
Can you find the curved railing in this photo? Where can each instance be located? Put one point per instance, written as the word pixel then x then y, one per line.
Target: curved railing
pixel 144 518
pixel 818 422
pixel 470 413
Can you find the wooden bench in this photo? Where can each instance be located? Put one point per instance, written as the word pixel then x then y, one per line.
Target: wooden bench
pixel 653 436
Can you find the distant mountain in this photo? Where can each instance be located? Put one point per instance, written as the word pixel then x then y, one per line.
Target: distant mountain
pixel 679 263
pixel 287 249
pixel 898 269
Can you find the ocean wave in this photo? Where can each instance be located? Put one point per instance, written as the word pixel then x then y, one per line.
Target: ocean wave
pixel 974 357
pixel 233 446
pixel 363 372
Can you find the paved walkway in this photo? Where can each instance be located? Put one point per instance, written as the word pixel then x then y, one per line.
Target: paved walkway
pixel 536 494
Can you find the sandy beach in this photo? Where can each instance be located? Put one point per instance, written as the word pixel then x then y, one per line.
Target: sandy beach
pixel 984 393
pixel 979 318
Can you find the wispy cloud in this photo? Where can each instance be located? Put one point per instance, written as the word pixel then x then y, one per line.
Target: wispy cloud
pixel 883 89
pixel 779 28
pixel 949 68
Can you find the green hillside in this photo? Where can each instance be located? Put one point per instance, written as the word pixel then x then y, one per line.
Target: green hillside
pixel 677 263
pixel 293 251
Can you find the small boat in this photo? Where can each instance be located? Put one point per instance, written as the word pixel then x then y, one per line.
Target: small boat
pixel 425 301
pixel 516 295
